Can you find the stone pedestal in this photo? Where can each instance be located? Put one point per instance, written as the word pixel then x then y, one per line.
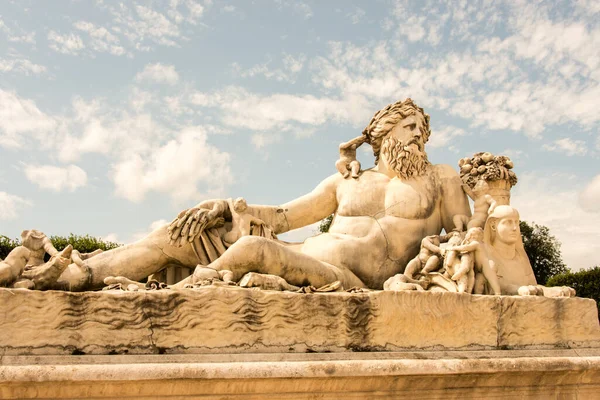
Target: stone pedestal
pixel 237 320
pixel 229 342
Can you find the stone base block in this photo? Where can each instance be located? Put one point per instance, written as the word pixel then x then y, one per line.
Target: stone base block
pixel 236 320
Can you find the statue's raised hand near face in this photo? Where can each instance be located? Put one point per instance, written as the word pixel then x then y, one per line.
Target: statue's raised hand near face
pixel 348 165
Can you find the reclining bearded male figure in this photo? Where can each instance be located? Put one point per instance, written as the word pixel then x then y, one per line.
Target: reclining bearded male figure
pixel 380 219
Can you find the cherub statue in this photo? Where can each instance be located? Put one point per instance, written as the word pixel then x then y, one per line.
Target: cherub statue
pixel 473 259
pixel 242 222
pixel 483 203
pixel 427 260
pixel 451 257
pixel 24 267
pixel 348 165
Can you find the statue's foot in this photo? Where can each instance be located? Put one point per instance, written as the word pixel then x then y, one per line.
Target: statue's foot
pixel 266 282
pixel 46 275
pixel 401 282
pixel 558 291
pixel 531 290
pixel 203 273
pixel 24 284
pixel 120 282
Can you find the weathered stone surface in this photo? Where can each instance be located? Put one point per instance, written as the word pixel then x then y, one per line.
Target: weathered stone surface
pixel 449 375
pixel 236 320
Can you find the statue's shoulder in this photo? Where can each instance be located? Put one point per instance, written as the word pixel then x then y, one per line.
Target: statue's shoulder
pixel 444 171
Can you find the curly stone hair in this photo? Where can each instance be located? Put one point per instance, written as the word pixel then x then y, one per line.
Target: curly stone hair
pixel 384 121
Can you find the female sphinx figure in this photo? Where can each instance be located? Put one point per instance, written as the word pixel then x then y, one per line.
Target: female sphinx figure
pixel 502 237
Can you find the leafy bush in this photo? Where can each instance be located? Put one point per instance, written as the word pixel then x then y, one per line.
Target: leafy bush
pixel 586 282
pixel 83 243
pixel 6 245
pixel 325 224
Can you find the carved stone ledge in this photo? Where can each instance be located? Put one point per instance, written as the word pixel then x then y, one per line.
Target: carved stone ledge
pixel 433 375
pixel 236 320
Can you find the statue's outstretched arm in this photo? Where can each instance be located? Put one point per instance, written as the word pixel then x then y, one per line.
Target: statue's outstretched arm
pixel 303 211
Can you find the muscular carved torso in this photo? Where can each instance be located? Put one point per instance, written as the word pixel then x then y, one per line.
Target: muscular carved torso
pixel 379 224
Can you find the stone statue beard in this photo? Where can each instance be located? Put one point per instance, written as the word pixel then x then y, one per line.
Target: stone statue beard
pixel 406 160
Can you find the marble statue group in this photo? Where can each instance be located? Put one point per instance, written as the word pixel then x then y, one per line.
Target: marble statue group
pixel 404 224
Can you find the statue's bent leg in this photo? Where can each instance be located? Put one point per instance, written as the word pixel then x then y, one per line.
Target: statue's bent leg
pixel 135 261
pixel 257 254
pixel 14 264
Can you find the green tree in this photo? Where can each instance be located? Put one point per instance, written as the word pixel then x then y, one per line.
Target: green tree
pixel 325 224
pixel 543 251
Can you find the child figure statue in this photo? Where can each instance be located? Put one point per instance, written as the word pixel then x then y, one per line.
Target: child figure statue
pixel 243 222
pixel 473 259
pixel 24 267
pixel 427 260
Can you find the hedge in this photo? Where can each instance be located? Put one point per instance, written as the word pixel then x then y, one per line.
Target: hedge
pixel 586 282
pixel 83 243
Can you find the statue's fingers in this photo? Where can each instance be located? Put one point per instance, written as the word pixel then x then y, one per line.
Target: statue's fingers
pixel 185 217
pixel 193 227
pixel 176 232
pixel 173 225
pixel 185 230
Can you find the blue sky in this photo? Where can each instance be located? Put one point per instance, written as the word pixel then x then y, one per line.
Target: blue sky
pixel 114 116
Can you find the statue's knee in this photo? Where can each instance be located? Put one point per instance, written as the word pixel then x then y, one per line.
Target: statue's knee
pixel 250 242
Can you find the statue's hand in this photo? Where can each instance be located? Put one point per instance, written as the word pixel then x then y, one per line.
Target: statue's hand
pixel 190 223
pixel 348 165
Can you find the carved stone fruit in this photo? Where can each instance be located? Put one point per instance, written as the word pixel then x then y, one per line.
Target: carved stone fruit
pixel 487 157
pixel 466 168
pixel 482 169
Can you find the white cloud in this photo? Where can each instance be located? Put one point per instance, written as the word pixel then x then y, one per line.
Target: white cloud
pixel 262 140
pixel 513 153
pixel 553 202
pixel 589 198
pixel 111 237
pixel 176 168
pixel 55 178
pixel 20 116
pixel 21 65
pixel 293 64
pixel 158 73
pixel 444 137
pixel 298 7
pixel 284 112
pixel 151 228
pixel 228 8
pixel 25 38
pixel 288 73
pixel 22 37
pixel 356 15
pixel 66 44
pixel 11 205
pixel 568 146
pixel 101 40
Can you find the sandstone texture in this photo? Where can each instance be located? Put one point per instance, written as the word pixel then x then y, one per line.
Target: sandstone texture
pixel 236 320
